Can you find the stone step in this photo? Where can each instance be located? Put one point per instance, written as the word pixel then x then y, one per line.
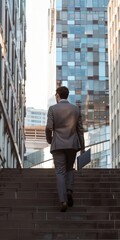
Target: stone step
pixel 51 175
pixel 53 190
pixel 89 186
pixel 51 179
pixel 29 206
pixel 58 216
pixel 52 201
pixel 49 172
pixel 56 208
pixel 37 194
pixel 56 226
pixel 25 234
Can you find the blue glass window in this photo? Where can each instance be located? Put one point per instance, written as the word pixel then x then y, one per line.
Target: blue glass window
pixel 77 15
pixel 71 3
pixel 90 70
pixel 95 15
pixel 71 71
pixel 83 15
pixel 64 15
pixel 102 50
pixel 89 56
pixel 102 85
pixel 77 29
pixel 77 43
pixel 70 15
pixel 95 3
pixel 101 29
pixel 77 71
pixel 89 29
pixel 77 56
pixel 59 28
pixel 64 42
pixel 83 71
pixel 64 71
pixel 71 29
pixel 64 56
pixel 77 3
pixel 82 3
pixel 83 57
pixel 96 70
pixel 89 16
pixel 59 4
pixel 71 43
pixel 59 56
pixel 89 4
pixel 71 56
pixel 102 69
pixel 102 57
pixel 101 3
pixel 96 85
pixel 58 42
pixel 72 98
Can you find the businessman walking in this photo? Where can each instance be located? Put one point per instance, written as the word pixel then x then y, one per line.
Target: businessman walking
pixel 64 131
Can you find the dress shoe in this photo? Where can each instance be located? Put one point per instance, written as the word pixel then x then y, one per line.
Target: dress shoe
pixel 64 207
pixel 69 198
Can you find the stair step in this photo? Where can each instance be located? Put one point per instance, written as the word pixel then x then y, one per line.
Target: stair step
pixel 48 185
pixel 52 201
pixel 78 209
pixel 29 194
pixel 51 180
pixel 57 216
pixel 69 226
pixel 23 234
pixel 49 172
pixel 29 206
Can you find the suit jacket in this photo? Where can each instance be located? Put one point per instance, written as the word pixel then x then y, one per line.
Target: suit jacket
pixel 64 128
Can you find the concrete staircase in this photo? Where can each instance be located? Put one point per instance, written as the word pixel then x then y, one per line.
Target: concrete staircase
pixel 29 207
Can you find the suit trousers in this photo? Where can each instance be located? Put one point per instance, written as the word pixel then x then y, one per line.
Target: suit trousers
pixel 64 160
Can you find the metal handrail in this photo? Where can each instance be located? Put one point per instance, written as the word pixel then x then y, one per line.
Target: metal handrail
pixel 85 148
pixel 48 160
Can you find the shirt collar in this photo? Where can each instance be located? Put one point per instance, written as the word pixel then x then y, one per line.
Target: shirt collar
pixel 63 100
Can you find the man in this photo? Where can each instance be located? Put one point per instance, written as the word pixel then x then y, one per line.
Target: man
pixel 64 131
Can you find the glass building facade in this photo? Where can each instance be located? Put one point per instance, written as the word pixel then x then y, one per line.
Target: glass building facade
pixel 12 82
pixel 35 117
pixel 114 79
pixel 82 66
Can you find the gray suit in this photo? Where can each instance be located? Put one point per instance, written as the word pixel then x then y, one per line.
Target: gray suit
pixel 64 131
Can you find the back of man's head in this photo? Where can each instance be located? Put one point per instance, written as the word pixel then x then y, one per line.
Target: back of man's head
pixel 63 92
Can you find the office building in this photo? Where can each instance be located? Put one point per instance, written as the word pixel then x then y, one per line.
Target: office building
pixel 52 51
pixel 12 82
pixel 114 76
pixel 82 66
pixel 35 117
pixel 35 139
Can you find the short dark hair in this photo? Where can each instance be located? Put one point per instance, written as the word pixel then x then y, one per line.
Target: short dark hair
pixel 63 92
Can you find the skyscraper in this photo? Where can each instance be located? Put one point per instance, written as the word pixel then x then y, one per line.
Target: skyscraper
pixel 12 82
pixel 82 66
pixel 35 117
pixel 114 75
pixel 52 50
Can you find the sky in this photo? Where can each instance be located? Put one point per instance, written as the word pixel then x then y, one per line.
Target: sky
pixel 36 53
